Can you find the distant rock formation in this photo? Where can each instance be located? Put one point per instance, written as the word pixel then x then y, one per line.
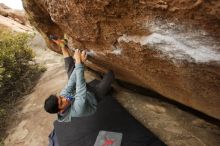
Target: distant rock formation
pixel 171 47
pixel 17 15
pixel 14 20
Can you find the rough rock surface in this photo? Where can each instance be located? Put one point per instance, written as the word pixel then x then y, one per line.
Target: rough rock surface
pixel 169 46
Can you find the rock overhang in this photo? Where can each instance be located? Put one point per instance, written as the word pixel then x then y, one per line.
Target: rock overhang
pixel 168 46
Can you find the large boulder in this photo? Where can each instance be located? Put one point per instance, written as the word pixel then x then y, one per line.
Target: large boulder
pixel 169 46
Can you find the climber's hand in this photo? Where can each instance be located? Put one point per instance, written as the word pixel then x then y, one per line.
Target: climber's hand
pixel 83 56
pixel 60 43
pixel 77 56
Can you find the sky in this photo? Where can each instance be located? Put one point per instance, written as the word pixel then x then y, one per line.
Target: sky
pixel 15 4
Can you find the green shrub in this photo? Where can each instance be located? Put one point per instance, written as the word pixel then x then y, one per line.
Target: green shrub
pixel 18 71
pixel 15 58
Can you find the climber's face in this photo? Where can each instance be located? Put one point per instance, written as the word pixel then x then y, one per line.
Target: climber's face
pixel 62 103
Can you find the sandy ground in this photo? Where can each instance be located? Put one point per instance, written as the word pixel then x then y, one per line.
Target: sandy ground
pixel 174 126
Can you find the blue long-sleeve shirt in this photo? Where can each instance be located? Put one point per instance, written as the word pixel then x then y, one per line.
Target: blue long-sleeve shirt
pixel 84 102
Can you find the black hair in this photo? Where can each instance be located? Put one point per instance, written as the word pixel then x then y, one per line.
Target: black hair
pixel 51 104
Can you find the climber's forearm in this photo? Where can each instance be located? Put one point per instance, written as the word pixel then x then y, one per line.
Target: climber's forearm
pixel 65 51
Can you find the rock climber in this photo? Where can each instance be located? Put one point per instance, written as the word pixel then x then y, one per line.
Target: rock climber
pixel 77 98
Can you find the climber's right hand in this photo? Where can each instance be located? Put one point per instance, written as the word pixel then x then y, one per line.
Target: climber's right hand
pixel 60 43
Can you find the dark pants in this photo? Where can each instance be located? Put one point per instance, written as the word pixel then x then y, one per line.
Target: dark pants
pixel 101 89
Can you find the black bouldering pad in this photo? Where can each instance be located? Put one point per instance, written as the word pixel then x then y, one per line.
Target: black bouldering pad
pixel 110 116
